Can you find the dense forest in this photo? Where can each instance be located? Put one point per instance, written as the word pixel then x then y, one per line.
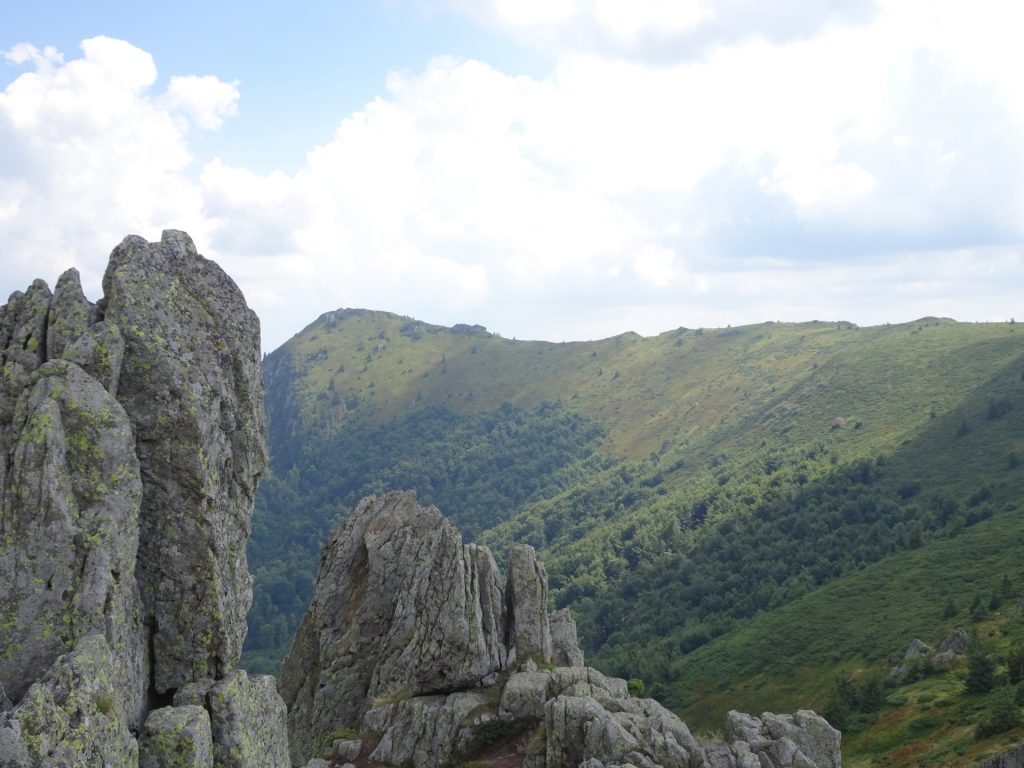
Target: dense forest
pixel 684 490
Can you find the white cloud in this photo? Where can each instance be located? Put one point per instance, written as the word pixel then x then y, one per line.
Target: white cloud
pixel 854 170
pixel 206 100
pixel 88 154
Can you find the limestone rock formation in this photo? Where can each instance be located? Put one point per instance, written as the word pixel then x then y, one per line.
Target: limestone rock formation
pixel 411 640
pixel 131 441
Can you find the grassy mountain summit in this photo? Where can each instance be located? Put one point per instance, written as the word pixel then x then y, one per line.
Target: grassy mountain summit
pixel 683 488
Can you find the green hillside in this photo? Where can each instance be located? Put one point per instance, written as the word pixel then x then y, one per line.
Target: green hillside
pixel 684 489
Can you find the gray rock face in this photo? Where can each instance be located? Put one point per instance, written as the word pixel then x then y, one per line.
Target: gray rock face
pixel 131 440
pixel 401 608
pixel 176 737
pixel 72 716
pixel 565 645
pixel 613 728
pixel 425 731
pixel 69 493
pixel 527 588
pixel 403 611
pixel 801 739
pixel 190 384
pixel 248 720
pixel 957 641
pixel 1011 758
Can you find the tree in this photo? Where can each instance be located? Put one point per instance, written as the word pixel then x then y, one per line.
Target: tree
pixel 837 710
pixel 871 693
pixel 981 669
pixel 1015 663
pixel 949 611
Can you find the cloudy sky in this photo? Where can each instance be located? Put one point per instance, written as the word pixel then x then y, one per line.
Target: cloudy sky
pixel 555 169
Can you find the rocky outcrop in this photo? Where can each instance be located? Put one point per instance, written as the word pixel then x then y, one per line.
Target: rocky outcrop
pixel 72 716
pixel 131 441
pixel 949 651
pixel 410 639
pixel 177 737
pixel 1011 758
pixel 565 645
pixel 527 590
pixel 403 610
pixel 804 738
pixel 69 530
pixel 190 384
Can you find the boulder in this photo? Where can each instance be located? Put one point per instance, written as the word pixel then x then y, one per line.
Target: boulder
pixel 426 731
pixel 70 490
pixel 811 734
pixel 957 641
pixel 617 731
pixel 524 695
pixel 72 716
pixel 176 737
pixel 916 649
pixel 248 722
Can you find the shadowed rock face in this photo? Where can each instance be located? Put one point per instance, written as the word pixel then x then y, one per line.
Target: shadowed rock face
pixel 131 442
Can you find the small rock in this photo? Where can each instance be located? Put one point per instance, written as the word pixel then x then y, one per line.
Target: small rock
pixel 347 749
pixel 176 737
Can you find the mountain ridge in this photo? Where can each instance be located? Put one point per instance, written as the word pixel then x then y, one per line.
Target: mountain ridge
pixel 707 437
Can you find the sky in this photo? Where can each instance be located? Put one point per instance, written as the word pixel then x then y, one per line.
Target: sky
pixel 551 169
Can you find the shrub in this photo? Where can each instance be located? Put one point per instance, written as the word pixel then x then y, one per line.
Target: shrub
pixel 998 408
pixel 1002 714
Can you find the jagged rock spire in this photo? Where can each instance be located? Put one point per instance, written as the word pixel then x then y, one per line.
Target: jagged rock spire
pixel 131 442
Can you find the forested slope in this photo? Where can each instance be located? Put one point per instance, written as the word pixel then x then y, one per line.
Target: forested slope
pixel 678 486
